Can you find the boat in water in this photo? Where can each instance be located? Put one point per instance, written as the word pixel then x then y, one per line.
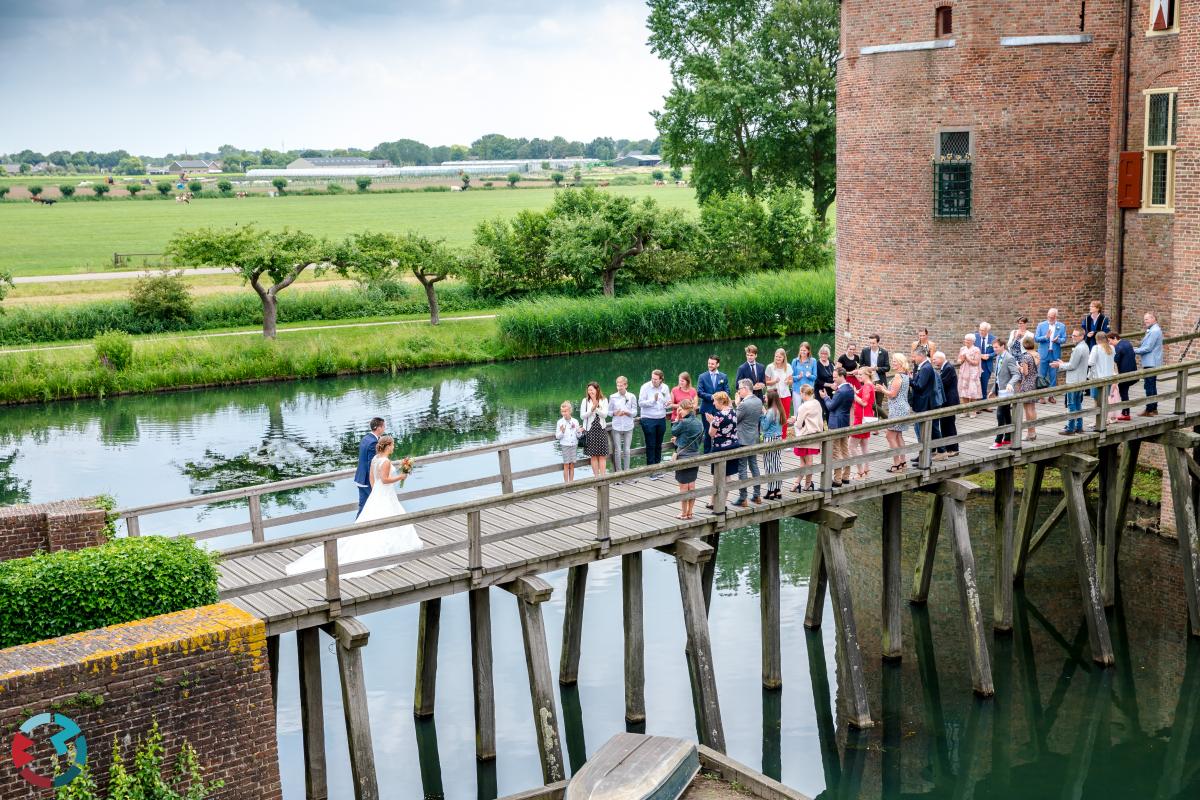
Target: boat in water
pixel 633 766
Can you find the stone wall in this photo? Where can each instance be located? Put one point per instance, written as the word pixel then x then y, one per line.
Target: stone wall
pixel 203 674
pixel 63 525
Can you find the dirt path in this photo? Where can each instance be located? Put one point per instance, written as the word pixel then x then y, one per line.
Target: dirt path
pixel 110 276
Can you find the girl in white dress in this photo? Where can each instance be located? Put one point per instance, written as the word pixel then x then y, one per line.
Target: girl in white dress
pixel 381 504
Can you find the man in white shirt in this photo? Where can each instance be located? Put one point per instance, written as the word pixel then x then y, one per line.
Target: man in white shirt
pixel 623 407
pixel 652 403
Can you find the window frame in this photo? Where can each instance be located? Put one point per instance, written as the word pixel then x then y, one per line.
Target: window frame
pixel 944 8
pixel 1171 31
pixel 968 160
pixel 1170 149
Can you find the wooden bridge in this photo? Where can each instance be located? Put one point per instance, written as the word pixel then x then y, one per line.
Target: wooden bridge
pixel 510 537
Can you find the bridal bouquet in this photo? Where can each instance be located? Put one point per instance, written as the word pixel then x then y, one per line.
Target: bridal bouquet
pixel 405 466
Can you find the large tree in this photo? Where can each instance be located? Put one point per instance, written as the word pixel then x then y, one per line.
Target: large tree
pixel 753 92
pixel 374 258
pixel 278 256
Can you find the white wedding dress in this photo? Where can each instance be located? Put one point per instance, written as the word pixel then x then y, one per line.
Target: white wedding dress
pixel 381 504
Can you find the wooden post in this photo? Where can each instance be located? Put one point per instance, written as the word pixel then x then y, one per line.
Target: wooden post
pixel 831 761
pixel 506 481
pixel 1185 518
pixel 689 556
pixel 429 760
pixel 1102 410
pixel 893 735
pixel 273 662
pixel 931 691
pixel 830 524
pixel 768 596
pixel 602 517
pixel 333 583
pixel 1002 582
pixel 827 469
pixel 475 546
pixel 133 526
pixel 256 521
pixel 312 713
pixel 892 537
pixel 531 592
pixel 818 581
pixel 351 636
pixel 718 500
pixel 1027 517
pixel 428 625
pixel 635 648
pixel 1114 526
pixel 1073 467
pixel 1181 387
pixel 968 591
pixel 568 665
pixel 925 457
pixel 479 604
pixel 1106 510
pixel 929 539
pixel 709 572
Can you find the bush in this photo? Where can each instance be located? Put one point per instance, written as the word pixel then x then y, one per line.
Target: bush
pixel 162 298
pixel 657 174
pixel 512 179
pixel 101 189
pixel 194 186
pixel 280 184
pixel 334 188
pixel 487 184
pixel 114 349
pixel 55 594
pixel 67 189
pixel 133 188
pixel 363 183
pixel 766 304
pixel 164 187
pixel 676 173
pixel 557 177
pixel 224 186
pixel 3 192
pixel 436 189
pixel 35 190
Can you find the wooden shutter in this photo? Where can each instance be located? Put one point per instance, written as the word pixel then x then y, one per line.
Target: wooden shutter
pixel 1129 180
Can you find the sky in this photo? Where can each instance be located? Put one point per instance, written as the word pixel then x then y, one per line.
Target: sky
pixel 159 76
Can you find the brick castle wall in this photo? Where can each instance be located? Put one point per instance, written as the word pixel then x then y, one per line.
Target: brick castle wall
pixel 203 674
pixel 63 525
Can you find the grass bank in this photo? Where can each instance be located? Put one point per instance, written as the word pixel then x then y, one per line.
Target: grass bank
pixel 1147 484
pixel 746 308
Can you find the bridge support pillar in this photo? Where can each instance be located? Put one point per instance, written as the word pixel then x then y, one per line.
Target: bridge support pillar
pixel 953 495
pixel 351 636
pixel 831 571
pixel 312 713
pixel 1106 507
pixel 1184 472
pixel 1027 517
pixel 572 636
pixel 1002 583
pixel 768 596
pixel 479 603
pixel 1075 469
pixel 531 592
pixel 891 538
pixel 273 662
pixel 690 557
pixel 428 630
pixel 635 647
pixel 1116 513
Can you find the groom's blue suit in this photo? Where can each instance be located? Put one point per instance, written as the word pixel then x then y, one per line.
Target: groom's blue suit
pixel 362 476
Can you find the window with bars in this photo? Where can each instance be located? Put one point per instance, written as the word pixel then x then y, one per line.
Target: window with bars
pixel 943 24
pixel 952 175
pixel 1162 123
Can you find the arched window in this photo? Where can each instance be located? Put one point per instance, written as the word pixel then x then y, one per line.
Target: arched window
pixel 943 21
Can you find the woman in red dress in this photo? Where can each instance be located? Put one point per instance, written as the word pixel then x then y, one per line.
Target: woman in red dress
pixel 864 407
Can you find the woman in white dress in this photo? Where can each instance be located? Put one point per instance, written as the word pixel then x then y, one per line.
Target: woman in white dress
pixel 381 504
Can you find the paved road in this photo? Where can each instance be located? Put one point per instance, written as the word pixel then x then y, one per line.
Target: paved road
pixel 109 276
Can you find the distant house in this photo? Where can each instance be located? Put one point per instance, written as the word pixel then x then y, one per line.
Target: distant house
pixel 193 165
pixel 11 169
pixel 158 169
pixel 638 159
pixel 339 161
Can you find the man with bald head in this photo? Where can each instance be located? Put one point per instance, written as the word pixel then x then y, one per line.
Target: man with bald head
pixel 1151 351
pixel 1051 335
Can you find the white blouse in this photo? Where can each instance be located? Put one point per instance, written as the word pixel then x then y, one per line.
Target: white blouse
pixel 590 413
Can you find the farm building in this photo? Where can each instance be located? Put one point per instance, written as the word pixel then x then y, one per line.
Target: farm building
pixel 468 167
pixel 637 159
pixel 193 165
pixel 528 164
pixel 339 161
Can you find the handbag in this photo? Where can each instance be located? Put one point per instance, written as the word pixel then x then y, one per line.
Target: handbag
pixel 1042 382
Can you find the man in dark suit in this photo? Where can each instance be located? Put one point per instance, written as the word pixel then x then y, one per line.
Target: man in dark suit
pixel 985 341
pixel 752 371
pixel 875 356
pixel 366 454
pixel 923 389
pixel 1126 361
pixel 709 384
pixel 947 426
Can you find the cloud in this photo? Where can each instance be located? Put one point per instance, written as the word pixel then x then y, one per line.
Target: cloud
pixel 154 76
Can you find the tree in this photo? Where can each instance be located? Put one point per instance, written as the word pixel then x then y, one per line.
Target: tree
pixel 466 181
pixel 657 174
pixel 130 165
pixel 492 146
pixel 278 256
pixel 67 189
pixel 557 177
pixel 387 256
pixel 163 298
pixel 3 191
pixel 280 184
pixel 163 187
pixel 510 255
pixel 363 183
pixel 733 233
pixel 578 176
pixel 34 190
pixel 194 186
pixel 133 188
pixel 602 148
pixel 224 186
pixel 753 95
pixel 513 177
pixel 24 168
pixel 100 189
pixel 6 283
pixel 676 174
pixel 403 152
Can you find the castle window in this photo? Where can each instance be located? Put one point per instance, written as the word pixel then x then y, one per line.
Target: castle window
pixel 944 21
pixel 952 175
pixel 1161 132
pixel 1164 17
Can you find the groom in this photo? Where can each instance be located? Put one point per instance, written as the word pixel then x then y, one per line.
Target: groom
pixel 366 454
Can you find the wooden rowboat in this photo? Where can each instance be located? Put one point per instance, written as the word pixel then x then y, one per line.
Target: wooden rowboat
pixel 632 766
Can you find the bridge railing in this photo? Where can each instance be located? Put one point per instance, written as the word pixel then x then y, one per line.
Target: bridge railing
pixel 1184 376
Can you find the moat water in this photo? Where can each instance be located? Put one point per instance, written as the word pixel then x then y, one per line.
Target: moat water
pixel 1057 727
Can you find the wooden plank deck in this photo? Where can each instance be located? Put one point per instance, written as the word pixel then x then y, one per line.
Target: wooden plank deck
pixel 558 546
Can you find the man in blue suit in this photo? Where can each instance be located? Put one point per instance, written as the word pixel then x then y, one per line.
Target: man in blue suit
pixel 366 454
pixel 1126 361
pixel 709 384
pixel 924 392
pixel 984 341
pixel 1050 335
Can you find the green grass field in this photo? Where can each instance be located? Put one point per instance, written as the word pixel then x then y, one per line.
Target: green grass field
pixel 82 236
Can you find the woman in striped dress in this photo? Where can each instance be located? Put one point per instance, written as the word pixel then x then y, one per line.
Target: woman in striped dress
pixel 771 423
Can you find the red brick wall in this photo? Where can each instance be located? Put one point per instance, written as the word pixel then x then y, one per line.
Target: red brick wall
pixel 63 525
pixel 1041 119
pixel 1185 301
pixel 203 674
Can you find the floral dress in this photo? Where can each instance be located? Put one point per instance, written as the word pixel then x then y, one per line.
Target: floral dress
pixel 1028 380
pixel 898 406
pixel 725 437
pixel 969 373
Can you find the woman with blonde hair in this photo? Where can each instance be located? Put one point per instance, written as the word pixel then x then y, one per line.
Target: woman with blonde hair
pixel 807 422
pixel 970 371
pixel 779 378
pixel 1027 363
pixel 898 408
pixel 1102 363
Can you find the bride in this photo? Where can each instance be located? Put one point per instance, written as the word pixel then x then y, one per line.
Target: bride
pixel 381 504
